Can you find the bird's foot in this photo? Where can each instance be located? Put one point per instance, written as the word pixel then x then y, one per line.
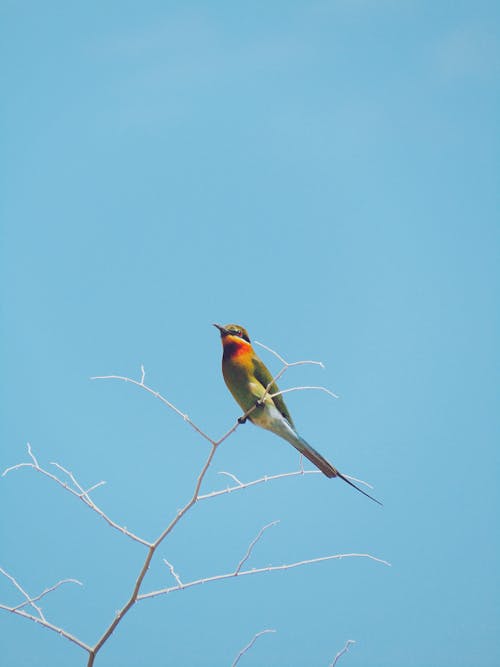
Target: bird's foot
pixel 259 403
pixel 242 420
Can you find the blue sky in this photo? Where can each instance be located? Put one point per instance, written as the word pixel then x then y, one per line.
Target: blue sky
pixel 326 174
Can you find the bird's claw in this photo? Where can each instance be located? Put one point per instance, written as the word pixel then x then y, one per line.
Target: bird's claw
pixel 242 420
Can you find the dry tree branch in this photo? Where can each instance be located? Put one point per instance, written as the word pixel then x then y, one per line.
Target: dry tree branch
pixel 229 474
pixel 76 489
pixel 251 546
pixel 44 592
pixel 238 572
pixel 173 572
pixel 348 643
pixel 157 395
pixel 29 600
pixel 80 493
pixel 40 619
pixel 303 388
pixel 268 478
pixel 50 626
pixel 259 570
pixel 246 648
pixel 288 364
pixel 151 551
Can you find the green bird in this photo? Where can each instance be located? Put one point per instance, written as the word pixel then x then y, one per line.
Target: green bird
pixel 247 378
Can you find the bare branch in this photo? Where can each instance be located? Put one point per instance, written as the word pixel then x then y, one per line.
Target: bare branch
pixel 249 645
pixel 360 481
pixel 286 363
pixel 71 476
pixel 95 486
pixel 74 487
pixel 29 600
pixel 169 404
pixel 79 492
pixel 50 626
pixel 269 478
pixel 270 568
pixel 278 356
pixel 152 549
pixel 348 643
pixel 32 455
pixel 47 590
pixel 157 395
pixel 173 572
pixel 251 546
pixel 230 474
pixel 286 391
pixel 40 619
pixel 261 480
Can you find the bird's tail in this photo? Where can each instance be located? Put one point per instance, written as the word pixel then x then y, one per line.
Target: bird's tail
pixel 326 468
pixel 315 457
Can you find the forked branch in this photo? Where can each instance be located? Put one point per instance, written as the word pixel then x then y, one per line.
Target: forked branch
pixel 69 483
pixel 76 490
pixel 38 615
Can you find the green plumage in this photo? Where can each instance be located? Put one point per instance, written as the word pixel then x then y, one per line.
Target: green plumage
pixel 264 377
pixel 253 388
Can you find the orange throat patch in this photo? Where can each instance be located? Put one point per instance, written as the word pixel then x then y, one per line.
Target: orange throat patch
pixel 236 347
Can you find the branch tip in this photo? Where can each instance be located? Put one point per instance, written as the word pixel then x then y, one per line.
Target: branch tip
pixel 250 644
pixel 348 644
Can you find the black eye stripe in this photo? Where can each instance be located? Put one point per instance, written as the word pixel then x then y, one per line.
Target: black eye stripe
pixel 240 333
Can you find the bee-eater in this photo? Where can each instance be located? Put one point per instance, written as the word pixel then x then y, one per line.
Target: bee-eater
pixel 252 386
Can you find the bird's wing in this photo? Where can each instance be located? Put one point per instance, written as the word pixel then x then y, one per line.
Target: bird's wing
pixel 264 377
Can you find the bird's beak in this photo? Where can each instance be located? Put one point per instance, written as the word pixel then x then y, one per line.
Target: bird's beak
pixel 220 328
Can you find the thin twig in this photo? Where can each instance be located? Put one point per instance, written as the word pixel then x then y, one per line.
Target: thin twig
pixel 40 619
pixel 269 478
pixel 251 546
pixel 157 395
pixel 94 486
pixel 80 492
pixel 173 572
pixel 47 590
pixel 29 600
pixel 286 391
pixel 249 645
pixel 286 363
pixel 348 643
pixel 233 477
pixel 270 568
pixel 50 626
pixel 261 480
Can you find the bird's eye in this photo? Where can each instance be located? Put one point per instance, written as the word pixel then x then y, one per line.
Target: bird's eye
pixel 238 333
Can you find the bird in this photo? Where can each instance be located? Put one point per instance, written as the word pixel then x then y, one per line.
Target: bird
pixel 254 389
